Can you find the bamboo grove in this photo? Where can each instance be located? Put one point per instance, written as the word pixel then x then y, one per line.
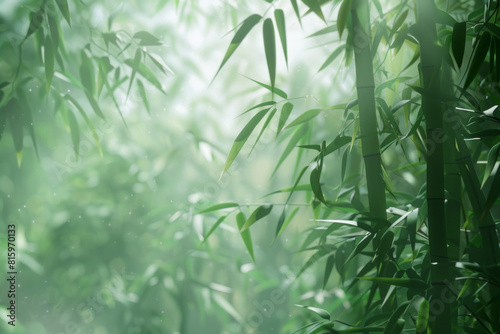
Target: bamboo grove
pixel 428 262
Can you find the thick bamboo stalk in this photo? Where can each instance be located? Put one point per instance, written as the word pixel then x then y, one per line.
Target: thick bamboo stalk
pixel 440 318
pixel 365 85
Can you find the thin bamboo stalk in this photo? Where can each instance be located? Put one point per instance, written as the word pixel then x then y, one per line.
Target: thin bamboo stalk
pixel 440 319
pixel 365 85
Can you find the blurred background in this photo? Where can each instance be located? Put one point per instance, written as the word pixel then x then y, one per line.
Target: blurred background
pixel 110 242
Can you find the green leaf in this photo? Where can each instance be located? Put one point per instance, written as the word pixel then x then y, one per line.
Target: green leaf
pixel 242 138
pixel 306 116
pixel 275 90
pixel 159 63
pixel 336 144
pixel 54 31
pixel 15 116
pixel 135 67
pixel 245 235
pixel 394 324
pixel 319 311
pixel 492 159
pixel 343 15
pixel 260 105
pixel 458 42
pixel 240 35
pixel 283 223
pixel 256 215
pixel 315 7
pixel 297 136
pixel 328 269
pixel 286 110
pixel 296 10
pixel 423 317
pixel 332 57
pixel 316 186
pixel 35 22
pixel 142 92
pixel 330 29
pixel 218 207
pixel 63 7
pixel 266 123
pixel 146 39
pixel 399 21
pixel 145 72
pixel 75 132
pixel 279 16
pixel 213 228
pixel 270 49
pixel 87 120
pixel 48 56
pixel 87 73
pixel 479 54
pixel 403 282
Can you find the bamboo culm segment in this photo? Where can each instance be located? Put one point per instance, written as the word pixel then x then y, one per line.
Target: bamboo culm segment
pixel 365 85
pixel 430 55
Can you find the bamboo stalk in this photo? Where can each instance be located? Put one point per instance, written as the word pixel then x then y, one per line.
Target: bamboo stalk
pixel 430 55
pixel 365 85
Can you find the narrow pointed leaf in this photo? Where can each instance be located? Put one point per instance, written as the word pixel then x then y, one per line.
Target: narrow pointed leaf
pixel 315 7
pixel 146 73
pixel 316 186
pixel 319 311
pixel 135 67
pixel 218 207
pixel 48 56
pixel 332 57
pixel 492 159
pixel 260 105
pixel 142 92
pixel 343 15
pixel 279 16
pixel 256 215
pixel 75 132
pixel 306 116
pixel 275 90
pixel 296 10
pixel 87 73
pixel 35 22
pixel 242 138
pixel 270 49
pixel 399 21
pixel 240 35
pixel 213 228
pixel 478 58
pixel 63 7
pixel 403 282
pixel 146 39
pixel 283 222
pixel 14 114
pixel 458 42
pixel 286 110
pixel 266 123
pixel 328 269
pixel 245 235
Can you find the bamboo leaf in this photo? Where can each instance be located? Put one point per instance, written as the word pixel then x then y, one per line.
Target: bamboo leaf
pixel 330 29
pixel 402 282
pixel 35 22
pixel 296 10
pixel 399 21
pixel 242 138
pixel 146 73
pixel 297 136
pixel 240 35
pixel 477 60
pixel 316 186
pixel 286 110
pixel 260 105
pixel 315 7
pixel 15 117
pixel 306 116
pixel 213 228
pixel 142 92
pixel 492 159
pixel 458 42
pixel 279 16
pixel 343 15
pixel 319 311
pixel 270 49
pixel 283 223
pixel 75 132
pixel 423 317
pixel 256 215
pixel 63 7
pixel 245 235
pixel 394 324
pixel 328 269
pixel 266 123
pixel 87 120
pixel 146 39
pixel 135 67
pixel 332 57
pixel 48 57
pixel 87 73
pixel 159 63
pixel 275 90
pixel 54 31
pixel 218 207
